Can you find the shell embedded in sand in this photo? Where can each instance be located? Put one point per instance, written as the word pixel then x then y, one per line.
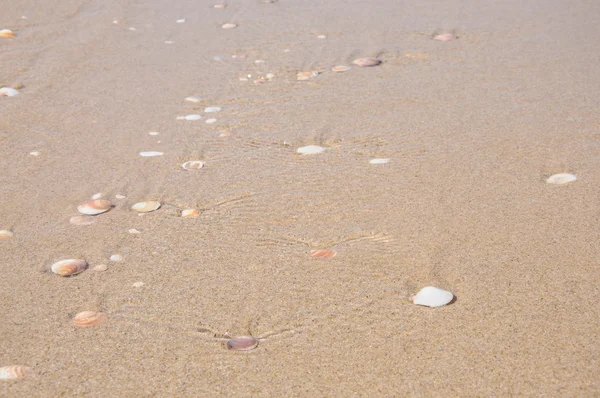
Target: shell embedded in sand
pixel 229 26
pixel 323 253
pixel 82 220
pixel 100 268
pixel 341 68
pixel 310 150
pixel 13 372
pixel 6 33
pixel 444 37
pixel 431 296
pixel 116 257
pixel 307 75
pixel 6 234
pixel 192 165
pixel 242 343
pixel 146 207
pixel 211 121
pixel 190 213
pixel 149 154
pixel 561 178
pixel 379 161
pixel 220 6
pixel 367 62
pixel 94 207
pixel 69 267
pixel 8 92
pixel 86 319
pixel 138 284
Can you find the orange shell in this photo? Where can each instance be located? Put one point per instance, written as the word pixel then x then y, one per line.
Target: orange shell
pixel 87 319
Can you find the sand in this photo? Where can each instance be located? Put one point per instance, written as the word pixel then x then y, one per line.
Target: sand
pixel 472 127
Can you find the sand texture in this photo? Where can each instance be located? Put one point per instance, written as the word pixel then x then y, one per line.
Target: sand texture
pixel 473 124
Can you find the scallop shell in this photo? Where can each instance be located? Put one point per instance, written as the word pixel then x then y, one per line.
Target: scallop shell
pixel 561 178
pixel 444 37
pixel 7 33
pixel 367 62
pixel 8 92
pixel 146 207
pixel 82 220
pixel 323 253
pixel 6 234
pixel 431 296
pixel 189 213
pixel 242 343
pixel 13 372
pixel 69 267
pixel 192 164
pixel 87 319
pixel 341 68
pixel 94 207
pixel 310 150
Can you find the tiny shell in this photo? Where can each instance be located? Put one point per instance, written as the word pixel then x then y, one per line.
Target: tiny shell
pixel 220 6
pixel 6 234
pixel 310 150
pixel 69 267
pixel 181 20
pixel 190 213
pixel 87 319
pixel 192 117
pixel 97 196
pixel 323 253
pixel 431 296
pixel 94 207
pixel 8 92
pixel 100 268
pixel 118 196
pixel 133 231
pixel 379 161
pixel 210 121
pixel 561 178
pixel 13 372
pixel 82 220
pixel 116 257
pixel 307 75
pixel 146 207
pixel 192 164
pixel 367 62
pixel 229 26
pixel 341 68
pixel 154 133
pixel 138 284
pixel 444 37
pixel 35 153
pixel 151 154
pixel 211 109
pixel 7 33
pixel 242 343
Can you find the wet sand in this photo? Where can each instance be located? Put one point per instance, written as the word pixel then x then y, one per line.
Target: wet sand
pixel 472 127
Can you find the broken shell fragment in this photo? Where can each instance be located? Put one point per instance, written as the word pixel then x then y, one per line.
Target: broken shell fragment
pixel 146 207
pixel 82 220
pixel 94 207
pixel 431 296
pixel 6 234
pixel 86 319
pixel 561 178
pixel 341 68
pixel 307 75
pixel 192 164
pixel 367 62
pixel 7 33
pixel 310 150
pixel 8 92
pixel 242 343
pixel 13 372
pixel 149 154
pixel 190 213
pixel 323 253
pixel 69 267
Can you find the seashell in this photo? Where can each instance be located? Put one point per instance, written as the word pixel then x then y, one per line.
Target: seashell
pixel 192 117
pixel 431 296
pixel 310 150
pixel 226 134
pixel 97 196
pixel 8 92
pixel 118 196
pixel 306 75
pixel 6 234
pixel 322 253
pixel 341 68
pixel 367 62
pixel 444 37
pixel 69 267
pixel 146 207
pixel 190 213
pixel 138 284
pixel 13 372
pixel 321 37
pixel 561 178
pixel 151 154
pixel 192 165
pixel 82 220
pixel 242 343
pixel 6 33
pixel 210 121
pixel 100 268
pixel 193 99
pixel 229 26
pixel 182 20
pixel 133 231
pixel 94 207
pixel 35 153
pixel 421 56
pixel 116 257
pixel 220 6
pixel 379 161
pixel 211 109
pixel 154 133
pixel 86 319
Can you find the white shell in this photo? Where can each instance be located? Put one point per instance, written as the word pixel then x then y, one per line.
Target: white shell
pixel 13 372
pixel 310 150
pixel 5 234
pixel 138 284
pixel 151 153
pixel 229 26
pixel 431 296
pixel 211 109
pixel 379 161
pixel 192 164
pixel 154 133
pixel 182 20
pixel 193 99
pixel 192 117
pixel 561 178
pixel 145 207
pixel 8 92
pixel 93 207
pixel 116 257
pixel 211 121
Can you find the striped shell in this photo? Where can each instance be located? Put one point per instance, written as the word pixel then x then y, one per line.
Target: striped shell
pixel 87 319
pixel 94 207
pixel 366 62
pixel 242 343
pixel 69 267
pixel 13 372
pixel 146 207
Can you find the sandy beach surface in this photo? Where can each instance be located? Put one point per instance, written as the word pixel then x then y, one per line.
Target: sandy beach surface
pixel 472 126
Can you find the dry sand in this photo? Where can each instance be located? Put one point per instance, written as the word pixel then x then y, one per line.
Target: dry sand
pixel 472 126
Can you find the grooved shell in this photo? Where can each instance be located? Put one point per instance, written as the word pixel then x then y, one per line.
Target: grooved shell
pixel 69 267
pixel 146 207
pixel 431 296
pixel 94 207
pixel 86 319
pixel 242 343
pixel 367 62
pixel 13 372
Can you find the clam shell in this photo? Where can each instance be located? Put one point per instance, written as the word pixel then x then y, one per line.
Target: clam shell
pixel 13 372
pixel 323 253
pixel 69 267
pixel 6 234
pixel 6 33
pixel 192 164
pixel 242 343
pixel 310 150
pixel 431 296
pixel 86 319
pixel 146 207
pixel 444 37
pixel 341 68
pixel 116 257
pixel 8 92
pixel 367 62
pixel 190 213
pixel 94 207
pixel 82 220
pixel 561 178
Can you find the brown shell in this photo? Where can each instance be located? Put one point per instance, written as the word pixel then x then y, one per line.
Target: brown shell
pixel 242 343
pixel 87 319
pixel 13 372
pixel 94 207
pixel 69 267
